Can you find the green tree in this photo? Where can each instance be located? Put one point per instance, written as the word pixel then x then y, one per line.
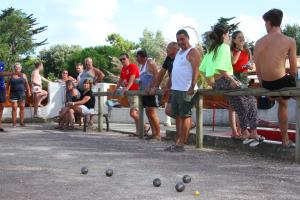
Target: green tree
pixel 17 35
pixel 225 21
pixel 116 40
pixel 294 32
pixel 55 58
pixel 103 57
pixel 155 45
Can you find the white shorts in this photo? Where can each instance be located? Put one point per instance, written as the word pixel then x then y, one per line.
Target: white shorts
pixel 85 110
pixel 36 89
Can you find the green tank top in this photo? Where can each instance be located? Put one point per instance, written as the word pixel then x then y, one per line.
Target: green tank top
pixel 211 65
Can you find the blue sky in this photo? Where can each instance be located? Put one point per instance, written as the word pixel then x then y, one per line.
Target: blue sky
pixel 88 22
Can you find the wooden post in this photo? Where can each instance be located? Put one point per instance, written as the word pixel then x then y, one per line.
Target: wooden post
pixel 297 153
pixel 199 122
pixel 100 112
pixel 141 118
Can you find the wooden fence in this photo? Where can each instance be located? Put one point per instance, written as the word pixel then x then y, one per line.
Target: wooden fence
pixel 291 91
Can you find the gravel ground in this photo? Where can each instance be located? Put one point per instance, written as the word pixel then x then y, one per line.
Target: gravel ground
pixel 40 163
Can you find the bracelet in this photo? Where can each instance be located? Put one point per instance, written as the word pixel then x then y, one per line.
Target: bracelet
pixel 73 104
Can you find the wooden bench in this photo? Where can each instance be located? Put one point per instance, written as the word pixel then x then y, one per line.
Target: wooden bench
pixel 85 120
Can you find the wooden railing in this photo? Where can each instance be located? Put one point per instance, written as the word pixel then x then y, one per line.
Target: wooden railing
pixel 291 91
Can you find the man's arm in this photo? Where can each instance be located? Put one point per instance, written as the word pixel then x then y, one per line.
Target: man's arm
pixel 293 58
pixel 257 65
pixel 44 79
pixel 194 58
pixel 99 74
pixel 153 70
pixel 130 82
pixel 9 73
pixel 160 77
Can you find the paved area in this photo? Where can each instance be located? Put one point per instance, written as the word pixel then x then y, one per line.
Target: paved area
pixel 40 163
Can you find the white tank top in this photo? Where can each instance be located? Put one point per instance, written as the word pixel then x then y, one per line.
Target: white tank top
pixel 182 72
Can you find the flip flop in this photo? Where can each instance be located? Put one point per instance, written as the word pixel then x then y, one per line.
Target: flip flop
pixel 290 145
pixel 248 140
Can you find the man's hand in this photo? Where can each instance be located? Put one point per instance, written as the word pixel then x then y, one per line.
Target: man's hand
pixel 124 90
pixel 190 91
pixel 153 91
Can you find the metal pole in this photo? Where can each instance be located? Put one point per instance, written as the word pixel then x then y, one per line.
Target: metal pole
pixel 141 119
pixel 199 122
pixel 100 112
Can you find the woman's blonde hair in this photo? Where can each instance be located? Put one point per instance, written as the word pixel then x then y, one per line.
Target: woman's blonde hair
pixel 14 66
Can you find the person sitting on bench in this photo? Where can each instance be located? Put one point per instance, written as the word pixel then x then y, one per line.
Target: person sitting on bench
pixel 85 106
pixel 72 95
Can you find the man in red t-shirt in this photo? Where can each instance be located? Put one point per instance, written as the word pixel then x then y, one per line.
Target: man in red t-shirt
pixel 129 73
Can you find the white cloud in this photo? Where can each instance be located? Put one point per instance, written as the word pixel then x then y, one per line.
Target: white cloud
pixel 161 11
pixel 83 22
pixel 94 20
pixel 253 27
pixel 178 21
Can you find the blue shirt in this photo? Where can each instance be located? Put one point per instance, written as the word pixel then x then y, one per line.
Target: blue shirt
pixel 2 85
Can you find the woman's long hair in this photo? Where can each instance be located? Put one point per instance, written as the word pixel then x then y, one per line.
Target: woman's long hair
pixel 216 38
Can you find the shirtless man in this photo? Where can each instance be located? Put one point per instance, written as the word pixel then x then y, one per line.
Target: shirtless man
pixel 92 73
pixel 270 54
pixel 38 93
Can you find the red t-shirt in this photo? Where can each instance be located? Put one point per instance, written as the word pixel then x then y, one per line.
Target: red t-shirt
pixel 242 60
pixel 128 71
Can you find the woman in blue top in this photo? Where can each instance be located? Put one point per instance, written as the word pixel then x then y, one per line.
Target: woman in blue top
pixel 217 67
pixel 18 88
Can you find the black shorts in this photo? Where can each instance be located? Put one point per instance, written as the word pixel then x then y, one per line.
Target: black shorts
pixel 150 101
pixel 2 95
pixel 286 81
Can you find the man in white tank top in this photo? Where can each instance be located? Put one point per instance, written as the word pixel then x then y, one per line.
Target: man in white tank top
pixel 183 79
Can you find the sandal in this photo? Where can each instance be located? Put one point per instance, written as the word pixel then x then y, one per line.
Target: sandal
pixel 257 137
pixel 289 145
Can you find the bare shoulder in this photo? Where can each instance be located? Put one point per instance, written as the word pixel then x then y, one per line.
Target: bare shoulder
pixel 24 76
pixel 194 51
pixel 290 40
pixel 96 70
pixel 260 41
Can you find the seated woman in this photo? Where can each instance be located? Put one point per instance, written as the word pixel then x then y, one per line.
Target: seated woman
pixel 72 94
pixel 216 65
pixel 18 87
pixel 65 77
pixel 84 106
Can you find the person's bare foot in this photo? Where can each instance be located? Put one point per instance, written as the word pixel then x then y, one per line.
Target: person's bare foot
pixel 245 134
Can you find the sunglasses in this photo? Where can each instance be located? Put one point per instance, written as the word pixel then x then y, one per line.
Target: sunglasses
pixel 122 59
pixel 65 72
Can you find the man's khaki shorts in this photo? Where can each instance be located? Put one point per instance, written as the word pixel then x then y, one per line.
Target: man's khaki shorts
pixel 133 102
